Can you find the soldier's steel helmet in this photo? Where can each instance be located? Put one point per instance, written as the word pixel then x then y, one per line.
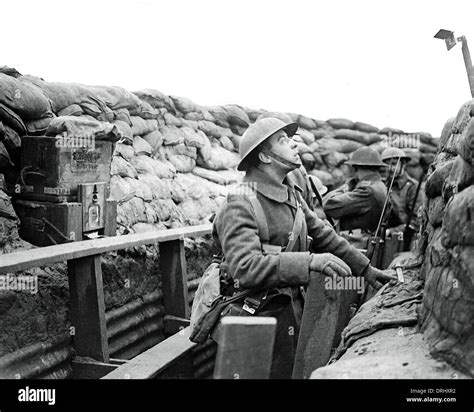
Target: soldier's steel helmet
pixel 394 153
pixel 260 131
pixel 366 156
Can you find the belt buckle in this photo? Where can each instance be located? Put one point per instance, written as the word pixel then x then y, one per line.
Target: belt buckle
pixel 249 306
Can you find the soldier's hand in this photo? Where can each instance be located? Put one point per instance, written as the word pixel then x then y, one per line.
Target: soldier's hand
pixel 375 276
pixel 329 265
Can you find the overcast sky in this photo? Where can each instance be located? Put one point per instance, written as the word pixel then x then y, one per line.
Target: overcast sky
pixel 370 61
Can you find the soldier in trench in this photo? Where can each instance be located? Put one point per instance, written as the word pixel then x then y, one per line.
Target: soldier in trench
pixel 268 154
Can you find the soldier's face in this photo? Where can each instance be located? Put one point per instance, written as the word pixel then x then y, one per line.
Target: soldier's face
pixel 395 168
pixel 284 146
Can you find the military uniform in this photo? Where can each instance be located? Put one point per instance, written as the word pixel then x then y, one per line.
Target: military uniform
pixel 235 230
pixel 401 200
pixel 313 199
pixel 359 208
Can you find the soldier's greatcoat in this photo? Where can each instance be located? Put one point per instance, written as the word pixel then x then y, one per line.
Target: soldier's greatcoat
pixel 236 232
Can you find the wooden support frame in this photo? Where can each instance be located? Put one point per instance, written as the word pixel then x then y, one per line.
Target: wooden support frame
pixel 88 308
pixel 174 278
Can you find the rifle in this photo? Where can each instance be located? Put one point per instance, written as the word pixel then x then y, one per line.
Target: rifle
pixel 408 231
pixel 376 243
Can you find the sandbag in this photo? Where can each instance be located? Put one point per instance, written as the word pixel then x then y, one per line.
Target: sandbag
pixel 186 186
pixel 365 127
pixel 466 143
pixel 165 209
pixel 220 115
pixel 86 128
pixel 452 144
pixel 172 135
pixel 160 188
pixel 171 120
pixel 145 111
pixel 141 227
pixel 302 148
pixel 347 134
pixel 5 161
pixel 185 105
pixel 38 126
pixel 141 190
pixel 142 126
pixel 24 97
pixel 458 222
pixel 141 146
pixel 130 212
pixel 308 160
pixel 160 168
pixel 125 129
pixel 435 180
pixel 124 150
pixel 124 116
pixel 236 115
pixel 460 177
pixel 307 136
pixel 348 146
pixel 11 119
pixel 463 117
pixel 154 139
pixel 11 141
pixel 182 163
pixel 166 152
pixel 222 177
pixel 115 97
pixel 321 133
pixel 341 123
pixel 211 129
pixel 193 138
pixel 306 122
pixel 435 211
pixel 156 99
pixel 334 159
pixel 195 116
pixel 226 143
pixel 220 159
pixel 71 110
pixel 324 176
pixel 446 132
pixel 426 148
pixel 325 145
pixel 119 166
pixel 120 189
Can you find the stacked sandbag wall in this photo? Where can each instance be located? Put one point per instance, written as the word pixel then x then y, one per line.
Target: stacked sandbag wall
pixel 448 245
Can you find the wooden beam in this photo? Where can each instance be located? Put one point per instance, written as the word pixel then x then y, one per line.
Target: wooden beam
pixel 88 308
pixel 13 262
pixel 245 347
pixel 174 278
pixel 150 363
pixel 85 368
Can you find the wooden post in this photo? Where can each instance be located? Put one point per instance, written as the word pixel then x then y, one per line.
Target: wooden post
pixel 245 347
pixel 88 308
pixel 468 64
pixel 174 279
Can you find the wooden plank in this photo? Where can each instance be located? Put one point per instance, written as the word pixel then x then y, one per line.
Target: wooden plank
pixel 84 368
pixel 174 279
pixel 319 325
pixel 28 259
pixel 88 308
pixel 150 363
pixel 245 348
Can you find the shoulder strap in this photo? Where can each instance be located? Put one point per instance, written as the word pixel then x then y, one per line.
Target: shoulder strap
pixel 299 229
pixel 261 218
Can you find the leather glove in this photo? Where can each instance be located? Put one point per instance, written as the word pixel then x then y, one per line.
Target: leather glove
pixel 374 275
pixel 329 265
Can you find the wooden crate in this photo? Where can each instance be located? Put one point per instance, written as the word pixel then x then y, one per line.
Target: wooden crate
pixel 51 172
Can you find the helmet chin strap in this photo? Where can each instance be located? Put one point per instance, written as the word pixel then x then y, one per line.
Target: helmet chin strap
pixel 279 159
